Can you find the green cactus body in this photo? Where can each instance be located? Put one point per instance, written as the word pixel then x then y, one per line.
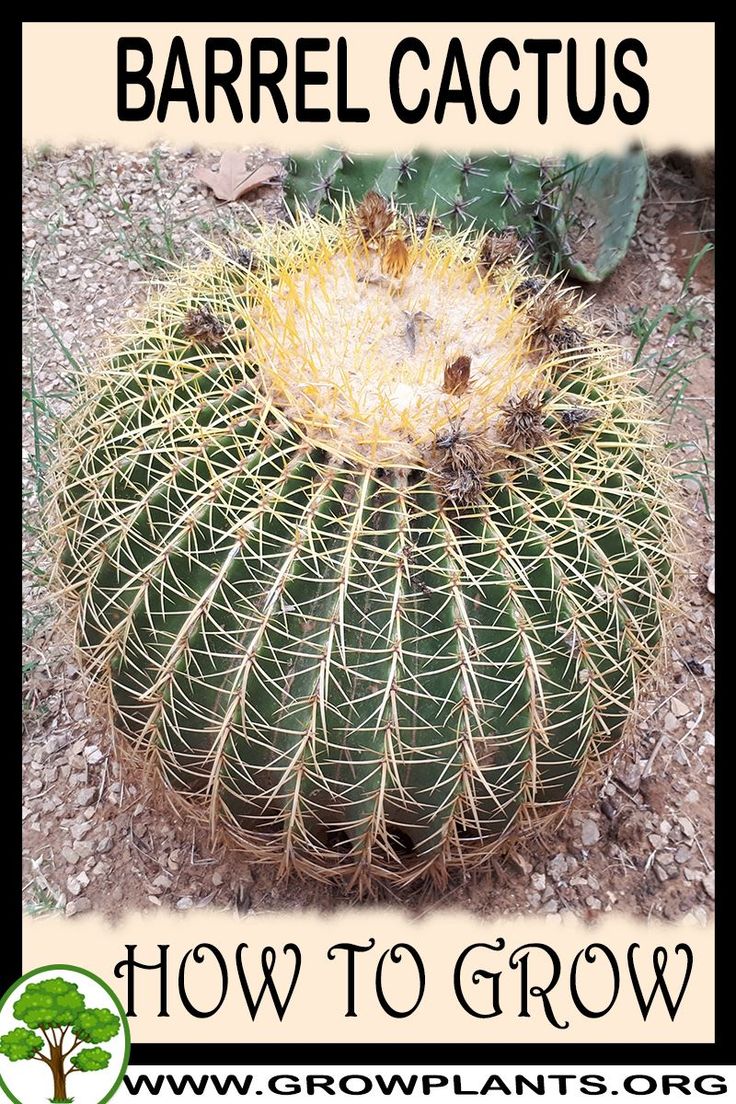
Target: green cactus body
pixel 491 190
pixel 595 216
pixel 331 648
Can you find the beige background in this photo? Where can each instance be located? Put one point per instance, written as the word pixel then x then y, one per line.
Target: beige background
pixel 316 1013
pixel 69 87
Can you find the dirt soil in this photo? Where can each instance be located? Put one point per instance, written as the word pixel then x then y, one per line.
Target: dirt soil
pixel 98 223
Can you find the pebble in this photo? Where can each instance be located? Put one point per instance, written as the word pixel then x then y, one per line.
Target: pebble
pixel 70 855
pixel 682 854
pixel 86 796
pixel 185 903
pixel 81 904
pixel 709 883
pixel 557 867
pixel 539 881
pixel 678 707
pixel 666 281
pixel 629 775
pixel 590 833
pixel 73 886
pixel 671 723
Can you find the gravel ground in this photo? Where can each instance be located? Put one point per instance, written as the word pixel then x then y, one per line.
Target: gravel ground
pixel 98 225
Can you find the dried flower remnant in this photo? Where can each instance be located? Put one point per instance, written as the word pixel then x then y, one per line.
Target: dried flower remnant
pixel 203 326
pixel 498 250
pixel 457 376
pixel 577 417
pixel 395 260
pixel 373 217
pixel 461 461
pixel 521 426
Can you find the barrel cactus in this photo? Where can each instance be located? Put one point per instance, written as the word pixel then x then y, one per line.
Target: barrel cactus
pixel 368 537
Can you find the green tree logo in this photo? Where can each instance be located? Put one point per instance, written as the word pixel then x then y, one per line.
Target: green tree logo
pixel 63 1032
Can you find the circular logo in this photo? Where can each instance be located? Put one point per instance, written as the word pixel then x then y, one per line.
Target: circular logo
pixel 64 1037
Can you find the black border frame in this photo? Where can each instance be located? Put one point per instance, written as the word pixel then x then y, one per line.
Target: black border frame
pixel 279 1055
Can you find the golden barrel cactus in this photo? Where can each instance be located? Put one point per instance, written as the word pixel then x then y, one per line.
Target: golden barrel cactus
pixel 368 536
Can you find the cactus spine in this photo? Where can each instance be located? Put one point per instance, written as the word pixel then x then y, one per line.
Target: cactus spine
pixel 370 557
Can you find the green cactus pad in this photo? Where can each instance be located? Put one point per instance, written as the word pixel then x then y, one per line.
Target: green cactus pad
pixel 595 218
pixel 493 190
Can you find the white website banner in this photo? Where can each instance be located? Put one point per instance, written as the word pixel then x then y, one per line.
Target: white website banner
pixel 377 1082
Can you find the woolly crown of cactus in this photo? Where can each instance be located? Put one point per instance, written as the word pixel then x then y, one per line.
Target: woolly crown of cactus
pixel 368 536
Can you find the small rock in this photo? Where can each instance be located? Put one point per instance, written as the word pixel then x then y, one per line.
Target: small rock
pixel 79 829
pixel 590 833
pixel 104 845
pixel 692 875
pixel 671 723
pixel 679 708
pixel 82 878
pixel 687 826
pixel 629 775
pixel 539 881
pixel 81 904
pixel 666 281
pixel 73 886
pixel 557 867
pixel 550 906
pixel 682 854
pixel 218 878
pixel 656 840
pixel 711 584
pixel 154 901
pixel 593 902
pixel 70 855
pixel 709 883
pixel 85 796
pixel 661 873
pixel 185 903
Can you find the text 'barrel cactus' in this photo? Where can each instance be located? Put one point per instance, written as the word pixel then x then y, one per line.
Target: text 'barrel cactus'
pixel 368 535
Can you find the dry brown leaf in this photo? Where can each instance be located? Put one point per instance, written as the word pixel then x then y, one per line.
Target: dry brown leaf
pixel 234 179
